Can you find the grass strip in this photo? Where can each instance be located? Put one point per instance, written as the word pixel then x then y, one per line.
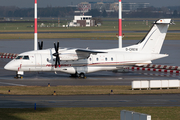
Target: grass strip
pixel 85 36
pixel 98 113
pixel 80 90
pixel 106 26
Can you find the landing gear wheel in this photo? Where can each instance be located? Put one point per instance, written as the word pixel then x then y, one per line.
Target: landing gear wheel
pixel 18 76
pixel 82 75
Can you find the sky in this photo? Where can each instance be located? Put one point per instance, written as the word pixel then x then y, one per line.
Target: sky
pixel 56 3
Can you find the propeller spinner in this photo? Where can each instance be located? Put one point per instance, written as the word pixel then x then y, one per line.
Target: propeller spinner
pixel 56 54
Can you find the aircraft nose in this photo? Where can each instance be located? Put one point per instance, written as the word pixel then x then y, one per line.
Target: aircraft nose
pixel 10 66
pixel 7 67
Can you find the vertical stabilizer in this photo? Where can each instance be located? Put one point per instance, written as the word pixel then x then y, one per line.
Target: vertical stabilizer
pixel 153 41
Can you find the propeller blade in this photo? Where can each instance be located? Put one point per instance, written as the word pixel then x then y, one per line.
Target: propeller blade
pixel 40 45
pixel 55 46
pixel 56 62
pixel 56 54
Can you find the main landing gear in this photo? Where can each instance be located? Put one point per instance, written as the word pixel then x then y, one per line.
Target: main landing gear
pixel 80 75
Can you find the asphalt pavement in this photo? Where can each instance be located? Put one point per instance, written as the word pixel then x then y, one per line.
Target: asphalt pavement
pixel 11 101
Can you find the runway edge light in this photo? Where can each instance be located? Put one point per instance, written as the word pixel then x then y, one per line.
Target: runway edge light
pixel 49 85
pixel 54 92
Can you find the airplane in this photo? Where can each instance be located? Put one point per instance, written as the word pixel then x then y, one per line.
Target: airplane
pixel 78 62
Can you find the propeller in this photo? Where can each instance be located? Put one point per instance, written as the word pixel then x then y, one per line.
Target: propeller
pixel 56 54
pixel 40 45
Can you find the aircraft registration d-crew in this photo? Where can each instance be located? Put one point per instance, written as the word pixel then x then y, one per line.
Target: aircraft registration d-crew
pixel 78 62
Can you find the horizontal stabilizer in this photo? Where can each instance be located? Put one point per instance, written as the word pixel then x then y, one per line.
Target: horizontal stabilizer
pixel 163 21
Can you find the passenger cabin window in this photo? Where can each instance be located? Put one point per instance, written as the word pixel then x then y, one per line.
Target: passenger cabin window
pixel 48 59
pixel 111 59
pixel 105 59
pixel 97 59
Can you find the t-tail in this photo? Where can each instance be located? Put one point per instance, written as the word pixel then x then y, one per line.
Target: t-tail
pixel 153 41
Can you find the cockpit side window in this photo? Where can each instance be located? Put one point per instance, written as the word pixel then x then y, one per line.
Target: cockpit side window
pixel 19 57
pixel 26 57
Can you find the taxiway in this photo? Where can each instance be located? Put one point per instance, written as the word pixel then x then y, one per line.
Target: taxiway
pixel 11 101
pixel 99 78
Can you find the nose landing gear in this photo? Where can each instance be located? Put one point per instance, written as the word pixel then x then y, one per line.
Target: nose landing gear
pixel 19 75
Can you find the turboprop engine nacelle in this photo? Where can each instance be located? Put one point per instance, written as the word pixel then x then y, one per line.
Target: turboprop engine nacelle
pixel 68 57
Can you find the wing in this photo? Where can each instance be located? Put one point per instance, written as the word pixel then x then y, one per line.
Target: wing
pixel 85 53
pixel 8 55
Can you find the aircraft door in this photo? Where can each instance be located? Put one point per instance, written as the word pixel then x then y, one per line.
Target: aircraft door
pixel 38 61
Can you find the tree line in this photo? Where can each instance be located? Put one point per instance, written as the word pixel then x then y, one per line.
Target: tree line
pixel 13 11
pixel 150 12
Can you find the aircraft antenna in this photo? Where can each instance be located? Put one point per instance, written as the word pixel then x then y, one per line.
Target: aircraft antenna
pixel 120 24
pixel 35 24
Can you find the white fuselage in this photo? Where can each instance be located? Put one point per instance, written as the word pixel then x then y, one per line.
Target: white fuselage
pixel 43 60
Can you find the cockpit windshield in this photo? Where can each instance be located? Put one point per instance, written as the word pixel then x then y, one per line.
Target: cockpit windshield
pixel 19 57
pixel 26 57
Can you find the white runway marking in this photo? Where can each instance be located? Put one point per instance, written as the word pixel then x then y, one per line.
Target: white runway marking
pixel 12 84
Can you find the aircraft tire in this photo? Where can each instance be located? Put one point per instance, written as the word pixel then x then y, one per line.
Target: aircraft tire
pixel 82 75
pixel 18 76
